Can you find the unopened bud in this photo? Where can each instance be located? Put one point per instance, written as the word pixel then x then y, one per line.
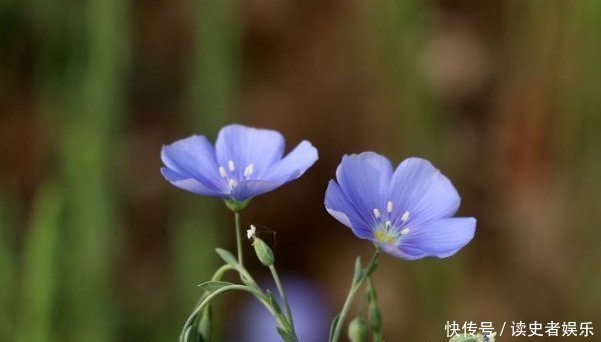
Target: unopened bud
pixel 357 330
pixel 264 253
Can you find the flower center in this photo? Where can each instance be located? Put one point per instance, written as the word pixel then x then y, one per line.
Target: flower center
pixel 232 178
pixel 385 231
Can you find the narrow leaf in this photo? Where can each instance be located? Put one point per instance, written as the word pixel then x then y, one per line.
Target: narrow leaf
pixel 228 257
pixel 211 286
pixel 333 326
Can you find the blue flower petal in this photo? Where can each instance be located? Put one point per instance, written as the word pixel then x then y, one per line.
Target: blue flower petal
pixel 238 147
pixel 247 189
pixel 194 157
pixel 365 180
pixel 341 209
pixel 294 164
pixel 189 184
pixel 440 238
pixel 420 189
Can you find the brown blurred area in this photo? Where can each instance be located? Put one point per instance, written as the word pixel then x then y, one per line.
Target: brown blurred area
pixel 502 96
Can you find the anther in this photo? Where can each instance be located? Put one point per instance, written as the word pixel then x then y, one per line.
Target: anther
pixel 232 183
pixel 231 165
pixel 389 207
pixel 377 213
pixel 222 172
pixel 405 231
pixel 388 224
pixel 249 170
pixel 405 217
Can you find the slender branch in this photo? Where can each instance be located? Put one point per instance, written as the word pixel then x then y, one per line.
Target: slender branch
pixel 351 295
pixel 278 284
pixel 239 238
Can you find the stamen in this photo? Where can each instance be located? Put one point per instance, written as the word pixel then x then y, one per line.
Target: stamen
pixel 222 172
pixel 389 207
pixel 405 217
pixel 249 170
pixel 405 231
pixel 232 183
pixel 388 224
pixel 231 165
pixel 377 213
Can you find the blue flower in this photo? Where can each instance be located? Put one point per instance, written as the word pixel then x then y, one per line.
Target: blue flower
pixel 408 212
pixel 245 162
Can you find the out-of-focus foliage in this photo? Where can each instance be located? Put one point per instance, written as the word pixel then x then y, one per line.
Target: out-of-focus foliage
pixel 502 95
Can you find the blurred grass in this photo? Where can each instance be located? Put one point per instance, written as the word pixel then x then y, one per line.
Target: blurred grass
pixel 8 279
pixel 210 103
pixel 40 268
pixel 91 126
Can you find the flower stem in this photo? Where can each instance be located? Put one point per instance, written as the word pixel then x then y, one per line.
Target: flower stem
pixel 357 282
pixel 278 283
pixel 374 315
pixel 238 237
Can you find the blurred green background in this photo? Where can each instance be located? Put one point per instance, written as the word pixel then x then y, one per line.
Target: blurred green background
pixel 502 95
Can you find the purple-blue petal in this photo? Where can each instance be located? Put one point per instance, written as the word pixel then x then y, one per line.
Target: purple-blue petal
pixel 189 184
pixel 194 157
pixel 248 189
pixel 365 180
pixel 439 238
pixel 419 188
pixel 244 146
pixel 293 165
pixel 341 209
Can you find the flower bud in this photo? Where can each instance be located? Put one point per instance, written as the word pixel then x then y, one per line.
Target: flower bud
pixel 263 252
pixel 375 318
pixel 357 330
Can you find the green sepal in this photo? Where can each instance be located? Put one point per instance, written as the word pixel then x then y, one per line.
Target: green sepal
pixel 236 206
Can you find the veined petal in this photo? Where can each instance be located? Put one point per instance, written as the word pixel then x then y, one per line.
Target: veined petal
pixel 189 184
pixel 293 165
pixel 439 238
pixel 420 189
pixel 341 209
pixel 247 189
pixel 238 147
pixel 365 179
pixel 194 157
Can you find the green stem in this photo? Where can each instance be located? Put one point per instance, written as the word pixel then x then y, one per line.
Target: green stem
pixel 373 301
pixel 238 238
pixel 351 295
pixel 278 284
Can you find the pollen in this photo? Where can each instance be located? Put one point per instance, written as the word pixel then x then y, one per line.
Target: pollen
pixel 389 207
pixel 231 166
pixel 222 172
pixel 377 213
